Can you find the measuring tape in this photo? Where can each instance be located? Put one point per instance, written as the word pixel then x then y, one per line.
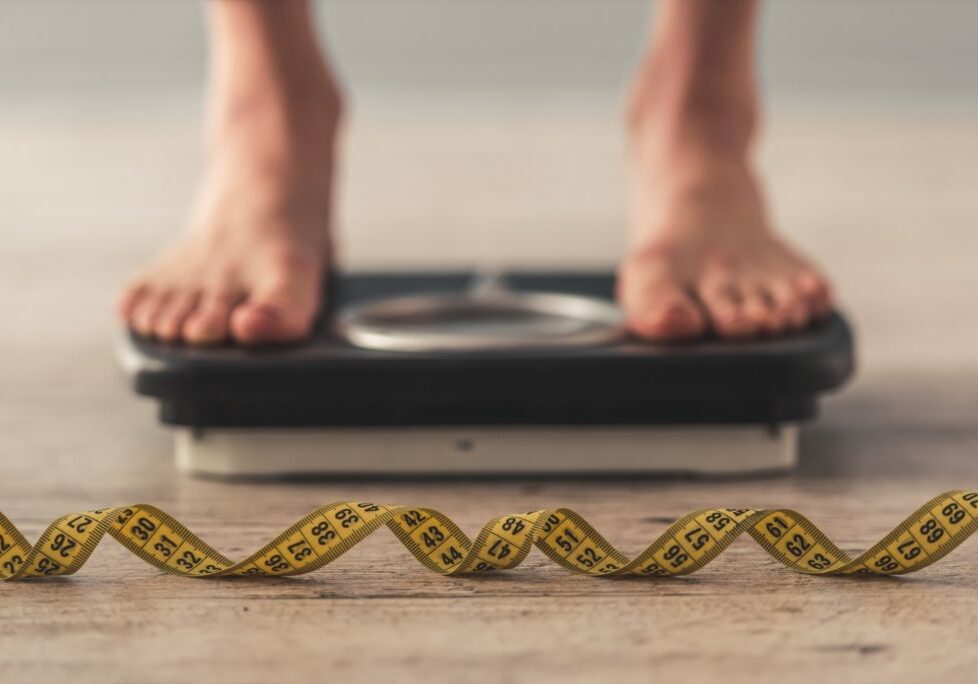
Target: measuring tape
pixel 324 535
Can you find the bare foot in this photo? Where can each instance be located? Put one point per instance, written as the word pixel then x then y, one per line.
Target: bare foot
pixel 250 265
pixel 704 257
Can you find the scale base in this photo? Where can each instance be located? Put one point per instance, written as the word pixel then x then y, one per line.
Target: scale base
pixel 697 450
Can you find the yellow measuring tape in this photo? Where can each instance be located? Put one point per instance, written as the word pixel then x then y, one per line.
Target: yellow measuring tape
pixel 324 535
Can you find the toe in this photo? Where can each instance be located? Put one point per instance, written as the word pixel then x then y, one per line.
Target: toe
pixel 725 308
pixel 816 292
pixel 281 313
pixel 668 315
pixel 146 311
pixel 129 300
pixel 208 323
pixel 169 321
pixel 657 306
pixel 757 307
pixel 788 304
pixel 266 323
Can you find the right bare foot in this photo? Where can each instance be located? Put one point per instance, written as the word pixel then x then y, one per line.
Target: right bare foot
pixel 251 263
pixel 704 257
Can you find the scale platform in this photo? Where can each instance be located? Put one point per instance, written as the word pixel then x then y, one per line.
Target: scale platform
pixel 617 405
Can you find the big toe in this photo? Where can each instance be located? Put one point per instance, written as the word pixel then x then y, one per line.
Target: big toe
pixel 282 315
pixel 657 307
pixel 263 323
pixel 668 318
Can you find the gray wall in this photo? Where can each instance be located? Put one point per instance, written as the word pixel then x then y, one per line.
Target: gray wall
pixel 894 49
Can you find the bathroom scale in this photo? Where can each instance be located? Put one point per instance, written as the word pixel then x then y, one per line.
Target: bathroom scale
pixel 459 372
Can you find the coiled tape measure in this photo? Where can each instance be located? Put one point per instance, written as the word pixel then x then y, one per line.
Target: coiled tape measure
pixel 321 537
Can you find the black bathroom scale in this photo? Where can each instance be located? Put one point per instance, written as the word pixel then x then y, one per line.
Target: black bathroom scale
pixel 448 373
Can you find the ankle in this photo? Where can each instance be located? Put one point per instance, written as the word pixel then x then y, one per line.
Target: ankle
pixel 296 89
pixel 300 111
pixel 269 71
pixel 678 107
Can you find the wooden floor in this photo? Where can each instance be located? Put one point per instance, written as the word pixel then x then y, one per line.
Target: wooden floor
pixel 887 203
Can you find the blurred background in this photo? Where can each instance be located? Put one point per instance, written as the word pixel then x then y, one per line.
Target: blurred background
pixel 487 132
pixel 889 49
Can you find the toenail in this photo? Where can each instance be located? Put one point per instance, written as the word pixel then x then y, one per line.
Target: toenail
pixel 201 336
pixel 808 279
pixel 731 317
pixel 203 331
pixel 673 310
